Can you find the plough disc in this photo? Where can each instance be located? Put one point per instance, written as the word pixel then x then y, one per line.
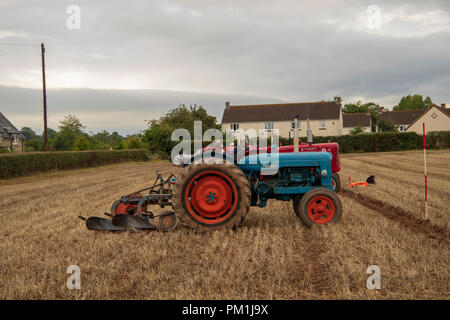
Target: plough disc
pixel 101 224
pixel 125 220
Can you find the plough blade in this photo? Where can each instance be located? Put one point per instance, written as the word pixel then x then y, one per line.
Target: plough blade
pixel 167 221
pixel 125 220
pixel 102 224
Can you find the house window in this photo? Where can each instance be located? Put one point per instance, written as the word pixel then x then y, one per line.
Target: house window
pixel 322 125
pixel 293 125
pixel 15 139
pixel 268 125
pixel 234 126
pixel 401 128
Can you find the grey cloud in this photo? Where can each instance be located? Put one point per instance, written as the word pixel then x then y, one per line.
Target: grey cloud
pixel 122 110
pixel 282 49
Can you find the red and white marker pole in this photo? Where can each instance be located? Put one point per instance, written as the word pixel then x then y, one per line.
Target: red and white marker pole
pixel 425 165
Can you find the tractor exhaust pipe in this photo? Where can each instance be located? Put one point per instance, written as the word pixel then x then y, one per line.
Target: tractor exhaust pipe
pixel 309 137
pixel 295 135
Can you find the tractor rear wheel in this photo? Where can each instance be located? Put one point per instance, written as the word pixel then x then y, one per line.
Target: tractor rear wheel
pixel 336 182
pixel 211 196
pixel 319 206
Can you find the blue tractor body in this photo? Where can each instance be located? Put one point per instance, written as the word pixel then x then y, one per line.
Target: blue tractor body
pixel 288 177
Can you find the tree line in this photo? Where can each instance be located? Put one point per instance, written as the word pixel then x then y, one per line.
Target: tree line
pixel 71 136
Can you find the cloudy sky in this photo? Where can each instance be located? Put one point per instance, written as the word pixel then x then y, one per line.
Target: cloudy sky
pixel 129 61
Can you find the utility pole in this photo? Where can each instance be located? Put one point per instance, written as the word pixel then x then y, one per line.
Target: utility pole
pixel 44 96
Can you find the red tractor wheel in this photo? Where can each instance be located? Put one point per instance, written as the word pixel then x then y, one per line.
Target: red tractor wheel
pixel 211 196
pixel 319 206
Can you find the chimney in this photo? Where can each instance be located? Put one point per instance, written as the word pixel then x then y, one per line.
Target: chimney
pixel 337 99
pixel 227 104
pixel 443 105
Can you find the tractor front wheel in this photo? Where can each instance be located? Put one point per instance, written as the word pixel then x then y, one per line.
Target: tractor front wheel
pixel 319 206
pixel 211 196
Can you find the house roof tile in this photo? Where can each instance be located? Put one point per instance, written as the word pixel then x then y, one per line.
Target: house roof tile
pixel 282 112
pixel 401 117
pixel 7 129
pixel 351 120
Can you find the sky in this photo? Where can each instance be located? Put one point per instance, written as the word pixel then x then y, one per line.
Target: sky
pixel 116 64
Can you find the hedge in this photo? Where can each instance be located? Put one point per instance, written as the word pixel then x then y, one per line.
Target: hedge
pixel 368 142
pixel 21 164
pixel 387 141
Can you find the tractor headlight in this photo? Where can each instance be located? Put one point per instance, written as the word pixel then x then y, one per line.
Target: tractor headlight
pixel 324 173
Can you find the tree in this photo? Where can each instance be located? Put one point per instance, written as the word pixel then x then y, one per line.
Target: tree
pixel 81 143
pixel 28 133
pixel 51 132
pixel 413 102
pixel 158 135
pixel 357 107
pixel 134 143
pixel 69 129
pixel 158 138
pixel 71 124
pixel 427 102
pixel 36 144
pixel 386 126
pixel 357 130
pixel 183 117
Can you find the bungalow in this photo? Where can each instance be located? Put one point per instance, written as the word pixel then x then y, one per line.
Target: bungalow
pixel 10 137
pixel 436 118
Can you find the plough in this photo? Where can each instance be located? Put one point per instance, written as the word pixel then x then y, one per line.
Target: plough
pixel 131 211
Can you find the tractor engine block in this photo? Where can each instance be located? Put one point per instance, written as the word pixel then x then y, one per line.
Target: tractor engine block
pixel 264 187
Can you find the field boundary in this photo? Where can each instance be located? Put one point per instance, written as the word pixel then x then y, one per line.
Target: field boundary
pixel 24 164
pixel 407 219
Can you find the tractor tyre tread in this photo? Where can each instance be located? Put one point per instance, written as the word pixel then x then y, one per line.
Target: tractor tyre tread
pixel 337 180
pixel 303 204
pixel 232 171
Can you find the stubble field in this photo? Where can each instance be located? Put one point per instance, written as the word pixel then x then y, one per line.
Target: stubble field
pixel 270 256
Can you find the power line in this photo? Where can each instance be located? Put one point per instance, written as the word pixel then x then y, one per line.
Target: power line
pixel 7 53
pixel 19 44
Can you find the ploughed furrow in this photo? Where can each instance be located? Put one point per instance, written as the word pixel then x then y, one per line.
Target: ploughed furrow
pixel 316 268
pixel 406 218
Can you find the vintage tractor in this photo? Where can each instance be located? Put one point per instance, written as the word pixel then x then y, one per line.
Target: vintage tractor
pixel 211 195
